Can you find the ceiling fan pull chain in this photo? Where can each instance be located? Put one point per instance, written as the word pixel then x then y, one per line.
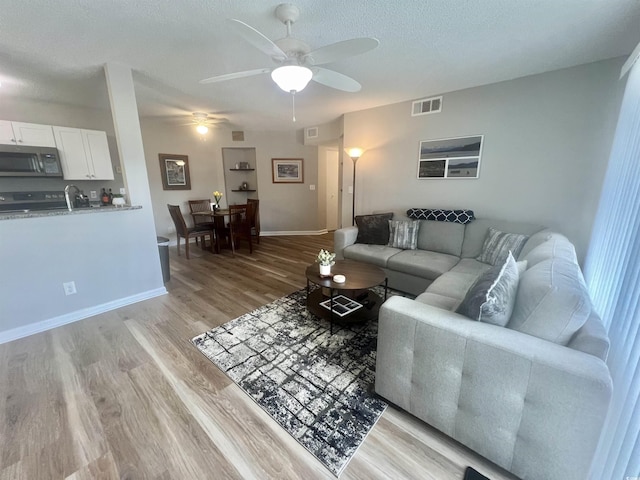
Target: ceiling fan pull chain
pixel 293 104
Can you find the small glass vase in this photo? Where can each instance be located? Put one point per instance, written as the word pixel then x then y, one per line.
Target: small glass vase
pixel 325 270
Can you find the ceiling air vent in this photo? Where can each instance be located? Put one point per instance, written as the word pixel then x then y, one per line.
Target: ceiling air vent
pixel 312 132
pixel 237 136
pixel 426 106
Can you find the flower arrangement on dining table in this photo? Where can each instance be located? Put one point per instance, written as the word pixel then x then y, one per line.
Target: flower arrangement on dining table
pixel 217 196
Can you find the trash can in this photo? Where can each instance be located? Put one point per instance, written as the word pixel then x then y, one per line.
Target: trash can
pixel 163 250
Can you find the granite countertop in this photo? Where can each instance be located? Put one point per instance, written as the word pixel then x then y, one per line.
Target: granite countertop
pixel 60 212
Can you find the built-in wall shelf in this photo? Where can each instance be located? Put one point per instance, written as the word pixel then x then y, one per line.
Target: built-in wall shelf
pixel 243 190
pixel 242 169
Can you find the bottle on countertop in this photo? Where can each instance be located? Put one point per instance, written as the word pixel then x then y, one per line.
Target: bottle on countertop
pixel 104 197
pixel 110 197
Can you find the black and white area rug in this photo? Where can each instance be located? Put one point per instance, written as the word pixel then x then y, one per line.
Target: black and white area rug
pixel 317 386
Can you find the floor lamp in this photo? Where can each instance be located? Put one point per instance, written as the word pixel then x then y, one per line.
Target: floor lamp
pixel 355 154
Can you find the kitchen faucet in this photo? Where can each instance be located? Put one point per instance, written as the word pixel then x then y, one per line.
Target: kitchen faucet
pixel 66 195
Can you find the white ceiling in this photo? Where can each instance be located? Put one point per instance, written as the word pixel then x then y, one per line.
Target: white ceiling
pixel 54 50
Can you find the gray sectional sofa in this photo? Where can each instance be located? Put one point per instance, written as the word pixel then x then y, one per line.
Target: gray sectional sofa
pixel 530 396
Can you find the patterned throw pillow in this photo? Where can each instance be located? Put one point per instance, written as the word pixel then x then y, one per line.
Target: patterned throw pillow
pixel 403 234
pixel 497 246
pixel 493 295
pixel 456 216
pixel 373 229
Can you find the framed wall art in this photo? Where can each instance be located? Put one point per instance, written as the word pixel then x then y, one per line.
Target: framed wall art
pixel 457 157
pixel 174 170
pixel 287 170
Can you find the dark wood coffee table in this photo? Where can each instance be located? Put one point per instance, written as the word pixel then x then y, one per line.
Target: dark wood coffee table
pixel 360 278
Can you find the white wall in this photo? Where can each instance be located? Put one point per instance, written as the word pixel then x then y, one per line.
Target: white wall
pixel 283 207
pixel 546 144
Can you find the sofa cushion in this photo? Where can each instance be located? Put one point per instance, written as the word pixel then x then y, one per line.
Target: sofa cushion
pixel 552 302
pixel 374 254
pixel 422 263
pixel 491 298
pixel 373 229
pixel 555 246
pixel 442 237
pixel 403 234
pixel 476 232
pixel 452 284
pixel 437 300
pixel 498 245
pixel 472 266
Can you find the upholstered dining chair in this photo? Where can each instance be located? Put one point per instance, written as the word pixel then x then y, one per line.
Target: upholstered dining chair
pixel 255 218
pixel 203 205
pixel 240 225
pixel 187 233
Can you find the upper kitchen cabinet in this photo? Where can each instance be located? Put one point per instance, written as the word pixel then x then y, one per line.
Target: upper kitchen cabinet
pixel 28 134
pixel 84 153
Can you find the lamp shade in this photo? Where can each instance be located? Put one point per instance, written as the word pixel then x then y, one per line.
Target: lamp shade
pixel 202 129
pixel 291 78
pixel 355 153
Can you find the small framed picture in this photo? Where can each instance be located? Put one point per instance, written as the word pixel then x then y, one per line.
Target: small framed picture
pixel 287 170
pixel 174 170
pixel 450 157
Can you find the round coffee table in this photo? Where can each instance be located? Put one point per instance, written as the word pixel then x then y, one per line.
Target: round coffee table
pixel 334 301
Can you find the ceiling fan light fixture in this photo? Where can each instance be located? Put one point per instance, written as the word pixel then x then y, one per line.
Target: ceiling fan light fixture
pixel 292 78
pixel 202 129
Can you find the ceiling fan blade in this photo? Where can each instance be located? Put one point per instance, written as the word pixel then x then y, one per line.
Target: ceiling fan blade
pixel 335 80
pixel 232 76
pixel 338 51
pixel 257 39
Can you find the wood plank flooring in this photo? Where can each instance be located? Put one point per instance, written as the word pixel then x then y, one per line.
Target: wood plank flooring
pixel 125 394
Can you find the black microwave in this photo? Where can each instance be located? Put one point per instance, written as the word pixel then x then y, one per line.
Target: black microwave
pixel 23 161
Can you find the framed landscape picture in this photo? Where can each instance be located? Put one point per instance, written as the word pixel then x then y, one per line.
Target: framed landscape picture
pixel 287 170
pixel 457 157
pixel 174 170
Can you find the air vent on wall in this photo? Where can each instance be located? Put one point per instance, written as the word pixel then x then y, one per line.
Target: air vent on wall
pixel 426 106
pixel 237 136
pixel 312 132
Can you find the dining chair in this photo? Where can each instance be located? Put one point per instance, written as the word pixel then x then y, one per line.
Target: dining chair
pixel 203 205
pixel 189 232
pixel 240 225
pixel 255 218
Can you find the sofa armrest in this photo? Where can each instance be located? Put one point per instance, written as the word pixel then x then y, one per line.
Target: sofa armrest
pixel 342 238
pixel 531 406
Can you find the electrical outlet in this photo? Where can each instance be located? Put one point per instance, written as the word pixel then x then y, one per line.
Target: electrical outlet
pixel 69 288
pixel 118 169
pixel 93 195
pixel 312 187
pixel 123 191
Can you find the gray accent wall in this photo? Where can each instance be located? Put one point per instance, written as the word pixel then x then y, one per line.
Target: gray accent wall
pixel 546 145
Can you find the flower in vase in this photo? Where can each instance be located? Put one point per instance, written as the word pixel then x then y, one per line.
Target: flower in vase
pixel 326 258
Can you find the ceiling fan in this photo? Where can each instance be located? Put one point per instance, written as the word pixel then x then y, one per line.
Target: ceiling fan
pixel 203 121
pixel 296 64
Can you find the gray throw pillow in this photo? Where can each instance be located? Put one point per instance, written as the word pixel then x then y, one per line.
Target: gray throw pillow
pixel 373 229
pixel 497 246
pixel 492 297
pixel 403 234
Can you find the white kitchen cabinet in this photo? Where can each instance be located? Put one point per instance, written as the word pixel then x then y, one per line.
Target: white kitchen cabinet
pixel 27 134
pixel 84 154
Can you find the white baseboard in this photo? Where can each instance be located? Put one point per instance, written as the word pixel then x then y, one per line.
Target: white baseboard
pixel 283 233
pixel 44 325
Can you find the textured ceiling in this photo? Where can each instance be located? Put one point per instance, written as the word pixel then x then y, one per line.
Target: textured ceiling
pixel 54 51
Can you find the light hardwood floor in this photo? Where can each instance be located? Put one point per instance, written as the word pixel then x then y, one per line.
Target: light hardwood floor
pixel 125 394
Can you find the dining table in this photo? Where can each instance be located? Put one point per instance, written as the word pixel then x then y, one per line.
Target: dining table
pixel 219 225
